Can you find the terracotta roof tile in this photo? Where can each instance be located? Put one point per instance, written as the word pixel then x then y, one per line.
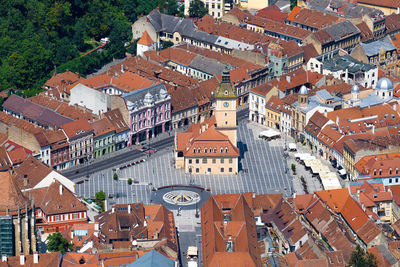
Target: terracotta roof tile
pixel 45 259
pixel 116 119
pixel 383 3
pixel 311 18
pixel 11 198
pixel 145 39
pixel 102 127
pixel 272 12
pixel 77 128
pixel 60 80
pixel 56 199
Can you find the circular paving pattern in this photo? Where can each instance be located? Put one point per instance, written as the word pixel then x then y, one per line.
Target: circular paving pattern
pixel 181 197
pixel 185 197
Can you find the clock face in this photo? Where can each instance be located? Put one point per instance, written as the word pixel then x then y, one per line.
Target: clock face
pixel 226 104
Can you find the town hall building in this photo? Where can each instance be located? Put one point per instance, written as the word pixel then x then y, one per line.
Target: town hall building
pixel 210 146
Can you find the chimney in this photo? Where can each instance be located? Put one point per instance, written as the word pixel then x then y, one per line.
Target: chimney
pixel 4 258
pixel 112 210
pixel 122 68
pixel 96 226
pixel 288 78
pixel 129 209
pixel 22 259
pixel 35 257
pixel 61 190
pixel 326 113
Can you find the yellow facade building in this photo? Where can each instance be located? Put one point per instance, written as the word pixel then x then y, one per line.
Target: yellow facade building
pixel 209 147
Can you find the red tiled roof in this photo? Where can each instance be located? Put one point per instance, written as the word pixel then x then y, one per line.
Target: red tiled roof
pixel 76 128
pixel 11 198
pixel 102 127
pixel 56 199
pixel 60 80
pixel 145 39
pixel 272 12
pixel 311 18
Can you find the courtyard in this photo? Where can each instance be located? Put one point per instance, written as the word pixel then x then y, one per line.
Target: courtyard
pixel 263 170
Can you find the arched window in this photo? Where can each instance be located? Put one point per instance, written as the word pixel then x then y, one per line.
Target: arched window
pixel 221 150
pixel 215 150
pixel 194 150
pixel 199 150
pixel 226 149
pixel 205 150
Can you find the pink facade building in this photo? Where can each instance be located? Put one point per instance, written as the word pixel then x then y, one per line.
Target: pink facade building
pixel 149 112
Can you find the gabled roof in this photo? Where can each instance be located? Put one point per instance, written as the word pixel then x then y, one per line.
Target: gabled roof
pixel 11 197
pixel 35 112
pixel 145 39
pixel 56 199
pixel 30 173
pixel 45 259
pixel 116 119
pixel 102 127
pixel 77 129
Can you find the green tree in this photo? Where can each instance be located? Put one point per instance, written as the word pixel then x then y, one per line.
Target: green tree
pixel 129 7
pixel 293 3
pixel 56 242
pixel 360 259
pixel 115 176
pixel 120 35
pixel 197 9
pixel 172 8
pixel 100 197
pixel 130 181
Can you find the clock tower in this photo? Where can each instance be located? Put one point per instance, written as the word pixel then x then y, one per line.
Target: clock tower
pixel 225 111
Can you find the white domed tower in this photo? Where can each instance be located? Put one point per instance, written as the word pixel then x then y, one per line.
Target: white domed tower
pixel 303 96
pixel 384 88
pixel 355 96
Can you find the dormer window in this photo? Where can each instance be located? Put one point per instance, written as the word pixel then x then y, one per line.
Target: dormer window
pixel 215 150
pixel 221 150
pixel 390 171
pixel 380 172
pixel 199 150
pixel 397 171
pixel 194 150
pixel 374 171
pixel 226 150
pixel 205 150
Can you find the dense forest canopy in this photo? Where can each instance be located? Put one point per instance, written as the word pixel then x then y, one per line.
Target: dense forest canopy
pixel 39 35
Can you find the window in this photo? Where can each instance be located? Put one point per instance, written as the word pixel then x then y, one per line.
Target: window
pixel 57 218
pixel 230 169
pixel 197 161
pixel 214 161
pixel 222 169
pixel 209 170
pixel 230 160
pixel 197 170
pixel 75 215
pixel 390 181
pixel 222 160
pixel 190 161
pixel 215 150
pixel 226 150
pixel 204 160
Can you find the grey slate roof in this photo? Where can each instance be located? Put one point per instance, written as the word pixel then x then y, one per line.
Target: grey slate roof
pixel 186 28
pixel 387 254
pixel 346 62
pixel 373 48
pixel 207 65
pixel 135 99
pixel 324 94
pixel 152 259
pixel 35 112
pixel 342 29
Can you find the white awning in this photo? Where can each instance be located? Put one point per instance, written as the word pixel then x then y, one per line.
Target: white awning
pixel 192 251
pixel 342 172
pixel 292 146
pixel 269 133
pixel 330 181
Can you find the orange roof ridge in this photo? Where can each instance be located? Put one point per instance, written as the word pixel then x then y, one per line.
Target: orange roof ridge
pixel 145 39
